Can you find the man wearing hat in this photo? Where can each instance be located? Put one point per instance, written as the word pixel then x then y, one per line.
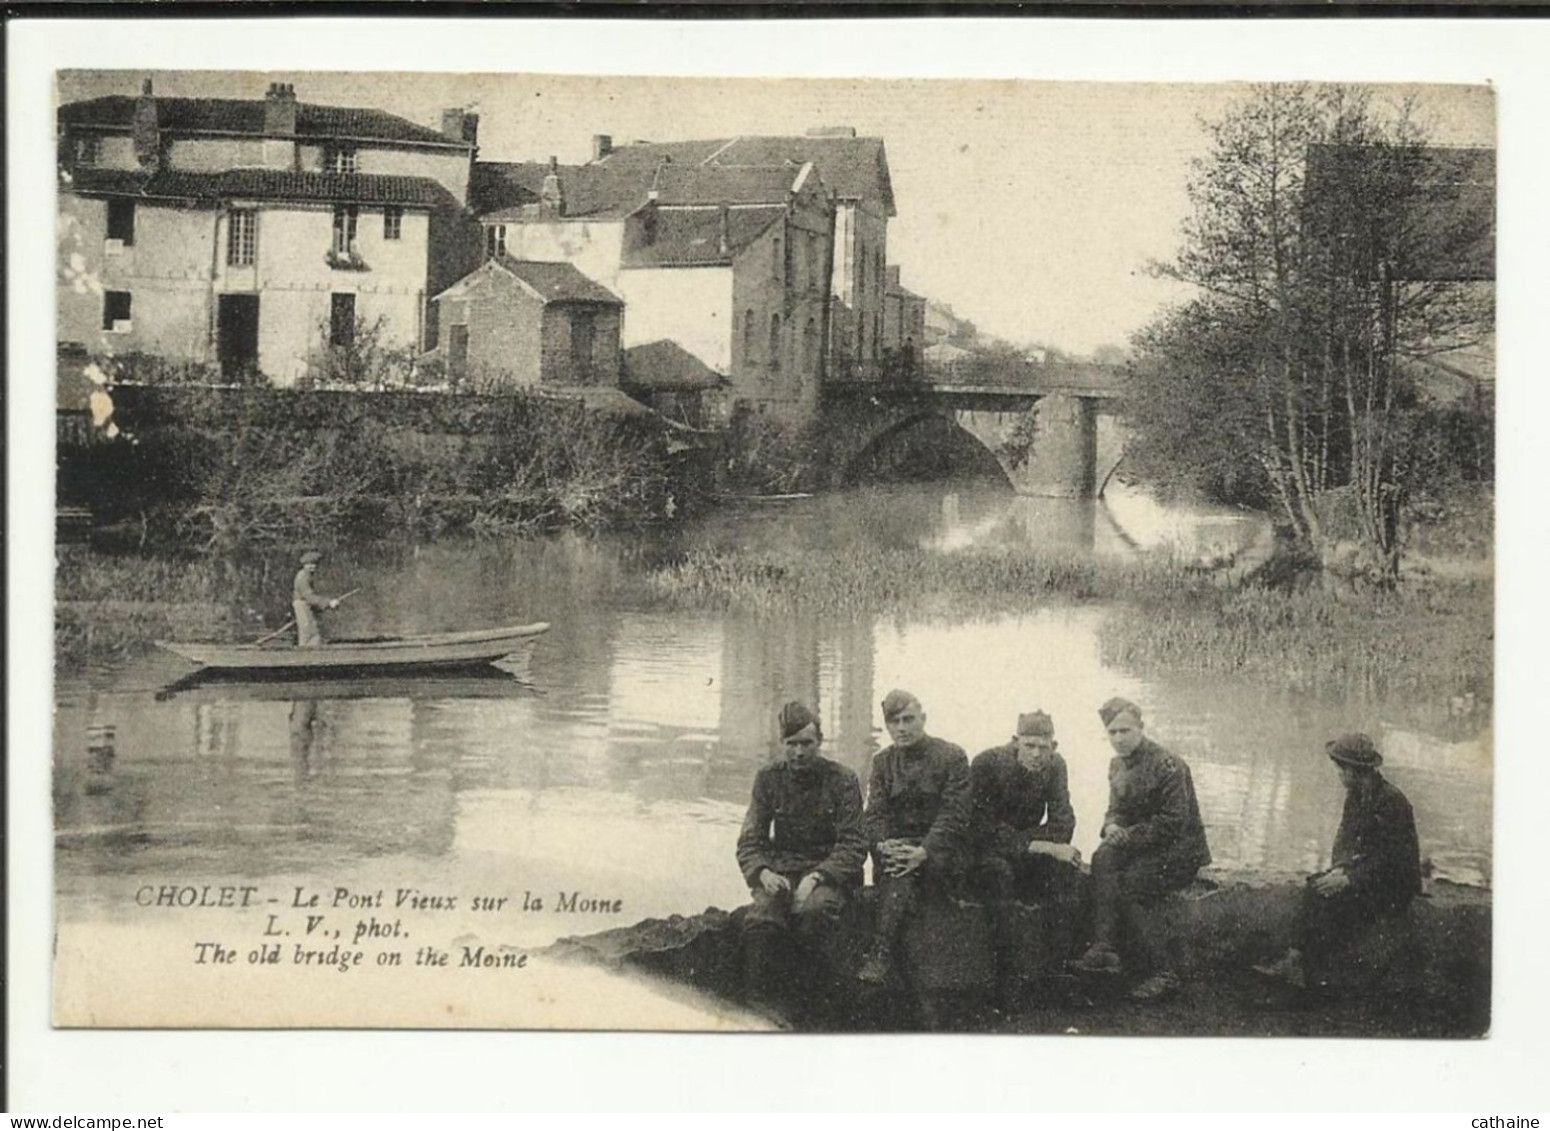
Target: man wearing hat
pixel 1021 835
pixel 1022 823
pixel 1375 866
pixel 1153 843
pixel 801 851
pixel 917 821
pixel 304 601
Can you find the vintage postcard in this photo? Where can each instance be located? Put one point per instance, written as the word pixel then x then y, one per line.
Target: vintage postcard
pixel 590 552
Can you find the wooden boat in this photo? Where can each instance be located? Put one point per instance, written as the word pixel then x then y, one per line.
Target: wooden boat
pixel 501 680
pixel 394 653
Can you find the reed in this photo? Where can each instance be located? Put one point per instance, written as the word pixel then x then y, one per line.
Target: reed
pixel 1426 641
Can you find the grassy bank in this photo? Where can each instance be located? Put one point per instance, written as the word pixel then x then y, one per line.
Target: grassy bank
pixel 226 468
pixel 109 608
pixel 1426 642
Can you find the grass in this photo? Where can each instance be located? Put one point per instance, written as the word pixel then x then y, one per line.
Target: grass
pixel 109 608
pixel 1424 642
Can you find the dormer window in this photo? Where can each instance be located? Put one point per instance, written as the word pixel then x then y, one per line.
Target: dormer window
pixel 342 159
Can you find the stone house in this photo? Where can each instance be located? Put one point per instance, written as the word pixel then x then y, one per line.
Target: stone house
pixel 855 169
pixel 904 327
pixel 730 263
pixel 516 323
pixel 251 233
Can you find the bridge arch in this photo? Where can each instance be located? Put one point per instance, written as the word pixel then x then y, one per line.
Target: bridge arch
pixel 848 458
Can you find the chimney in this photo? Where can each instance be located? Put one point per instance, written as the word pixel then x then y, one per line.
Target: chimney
pixel 280 110
pixel 145 128
pixel 602 146
pixel 831 131
pixel 551 197
pixel 459 125
pixel 725 244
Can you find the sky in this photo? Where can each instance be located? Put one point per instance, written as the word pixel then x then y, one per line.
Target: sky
pixel 1032 208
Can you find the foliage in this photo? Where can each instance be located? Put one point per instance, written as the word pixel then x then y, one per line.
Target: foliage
pixel 214 469
pixel 765 454
pixel 368 360
pixel 1292 372
pixel 1167 621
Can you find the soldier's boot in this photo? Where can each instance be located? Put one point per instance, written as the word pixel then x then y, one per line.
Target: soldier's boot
pixel 892 909
pixel 763 980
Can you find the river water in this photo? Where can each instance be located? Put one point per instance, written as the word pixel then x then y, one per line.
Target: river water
pixel 621 768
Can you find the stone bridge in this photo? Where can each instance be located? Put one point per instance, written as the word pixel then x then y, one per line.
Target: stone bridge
pixel 1046 438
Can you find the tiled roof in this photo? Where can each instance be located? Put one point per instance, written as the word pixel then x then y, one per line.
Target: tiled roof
pixel 855 168
pixel 664 364
pixel 500 191
pixel 691 237
pixel 558 282
pixel 716 184
pixel 246 115
pixel 266 184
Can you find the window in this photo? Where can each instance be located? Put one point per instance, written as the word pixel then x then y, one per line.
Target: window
pixel 810 346
pixel 121 221
pixel 345 217
pixel 748 333
pixel 775 341
pixel 392 223
pixel 341 321
pixel 495 240
pixel 776 262
pixel 798 260
pixel 88 149
pixel 342 159
pixel 116 310
pixel 241 237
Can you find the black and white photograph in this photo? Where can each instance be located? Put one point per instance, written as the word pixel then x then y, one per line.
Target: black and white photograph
pixel 793 546
pixel 807 556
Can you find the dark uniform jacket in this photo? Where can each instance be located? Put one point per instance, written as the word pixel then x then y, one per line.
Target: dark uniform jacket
pixel 1017 801
pixel 806 820
pixel 1152 797
pixel 921 793
pixel 1376 845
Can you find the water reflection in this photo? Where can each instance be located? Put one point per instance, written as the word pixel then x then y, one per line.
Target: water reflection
pixel 628 767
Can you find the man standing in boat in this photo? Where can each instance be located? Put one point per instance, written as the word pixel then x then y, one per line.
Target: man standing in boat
pixel 1375 866
pixel 801 851
pixel 304 601
pixel 917 823
pixel 1153 844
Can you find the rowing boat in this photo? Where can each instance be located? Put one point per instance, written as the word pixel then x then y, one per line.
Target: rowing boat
pixel 423 652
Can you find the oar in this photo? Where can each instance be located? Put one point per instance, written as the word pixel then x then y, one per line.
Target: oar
pixel 292 622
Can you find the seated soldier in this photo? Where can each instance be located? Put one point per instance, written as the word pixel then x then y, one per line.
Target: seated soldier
pixel 1375 866
pixel 1023 822
pixel 1021 837
pixel 1153 844
pixel 801 850
pixel 916 820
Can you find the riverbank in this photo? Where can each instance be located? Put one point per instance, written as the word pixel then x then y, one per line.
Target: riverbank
pixel 1428 642
pixel 1426 974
